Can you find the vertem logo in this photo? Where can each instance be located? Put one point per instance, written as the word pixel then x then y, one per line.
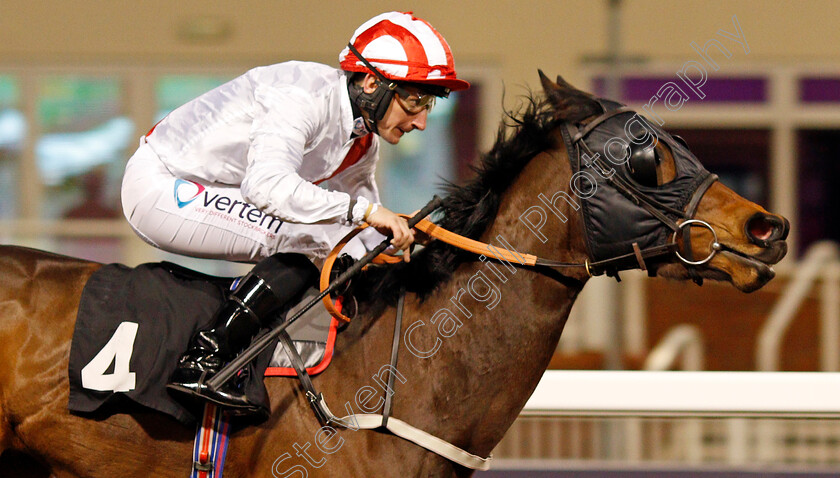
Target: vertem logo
pixel 186 192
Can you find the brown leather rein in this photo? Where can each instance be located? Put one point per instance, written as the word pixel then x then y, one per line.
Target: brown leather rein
pixel 477 247
pixel 636 259
pixel 432 230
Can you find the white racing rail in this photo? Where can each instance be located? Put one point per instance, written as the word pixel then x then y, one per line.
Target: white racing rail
pixel 716 394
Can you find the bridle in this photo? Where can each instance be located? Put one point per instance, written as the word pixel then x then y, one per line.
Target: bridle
pixel 676 220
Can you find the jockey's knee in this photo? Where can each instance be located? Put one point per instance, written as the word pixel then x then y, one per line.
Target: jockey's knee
pixel 287 274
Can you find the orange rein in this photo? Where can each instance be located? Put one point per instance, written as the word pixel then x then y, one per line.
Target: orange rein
pixel 432 230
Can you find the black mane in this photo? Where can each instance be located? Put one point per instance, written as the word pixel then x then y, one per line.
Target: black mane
pixel 467 210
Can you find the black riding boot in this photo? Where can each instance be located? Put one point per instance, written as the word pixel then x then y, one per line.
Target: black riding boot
pixel 254 304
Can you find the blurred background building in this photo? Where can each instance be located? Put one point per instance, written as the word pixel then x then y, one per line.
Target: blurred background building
pixel 752 85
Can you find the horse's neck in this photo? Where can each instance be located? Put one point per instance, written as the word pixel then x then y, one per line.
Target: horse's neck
pixel 483 340
pixel 485 373
pixel 471 352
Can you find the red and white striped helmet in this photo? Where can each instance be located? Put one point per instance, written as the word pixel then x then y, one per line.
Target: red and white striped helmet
pixel 403 48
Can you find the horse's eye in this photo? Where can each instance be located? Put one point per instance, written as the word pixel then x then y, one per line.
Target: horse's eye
pixel 642 165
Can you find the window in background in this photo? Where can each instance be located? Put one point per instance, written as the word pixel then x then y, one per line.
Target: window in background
pixel 13 128
pixel 84 142
pixel 819 196
pixel 741 157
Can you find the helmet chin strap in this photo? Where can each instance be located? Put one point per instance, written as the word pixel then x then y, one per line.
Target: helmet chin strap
pixel 376 103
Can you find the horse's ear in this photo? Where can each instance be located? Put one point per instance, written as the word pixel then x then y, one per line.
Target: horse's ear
pixel 550 88
pixel 562 83
pixel 557 91
pixel 570 103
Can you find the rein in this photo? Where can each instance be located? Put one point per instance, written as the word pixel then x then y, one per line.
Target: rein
pixel 437 232
pixel 622 262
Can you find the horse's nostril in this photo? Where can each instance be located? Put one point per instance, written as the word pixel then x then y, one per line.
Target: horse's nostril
pixel 758 227
pixel 762 229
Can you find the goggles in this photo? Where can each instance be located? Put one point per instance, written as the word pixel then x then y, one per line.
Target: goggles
pixel 413 103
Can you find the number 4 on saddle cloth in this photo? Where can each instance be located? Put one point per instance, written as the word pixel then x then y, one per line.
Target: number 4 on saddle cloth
pixel 133 324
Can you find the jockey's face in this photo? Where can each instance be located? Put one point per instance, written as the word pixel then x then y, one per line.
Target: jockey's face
pixel 399 118
pixel 397 121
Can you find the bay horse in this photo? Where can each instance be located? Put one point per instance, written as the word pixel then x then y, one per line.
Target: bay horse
pixel 477 333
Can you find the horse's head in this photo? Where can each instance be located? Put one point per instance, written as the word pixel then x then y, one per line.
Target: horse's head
pixel 647 202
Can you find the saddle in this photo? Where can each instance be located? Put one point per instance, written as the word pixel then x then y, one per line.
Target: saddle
pixel 133 323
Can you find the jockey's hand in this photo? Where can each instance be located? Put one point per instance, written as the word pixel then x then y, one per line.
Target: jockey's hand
pixel 388 223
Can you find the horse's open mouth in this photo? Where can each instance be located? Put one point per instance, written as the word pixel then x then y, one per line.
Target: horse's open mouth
pixel 750 261
pixel 760 267
pixel 769 255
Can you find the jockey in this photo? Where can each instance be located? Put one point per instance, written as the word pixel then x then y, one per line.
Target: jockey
pixel 234 174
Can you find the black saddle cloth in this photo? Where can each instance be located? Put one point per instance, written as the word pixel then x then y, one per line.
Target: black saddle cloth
pixel 132 325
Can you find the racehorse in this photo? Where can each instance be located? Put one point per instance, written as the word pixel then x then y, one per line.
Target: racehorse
pixel 477 333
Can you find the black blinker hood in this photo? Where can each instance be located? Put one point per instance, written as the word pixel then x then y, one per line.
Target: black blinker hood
pixel 613 218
